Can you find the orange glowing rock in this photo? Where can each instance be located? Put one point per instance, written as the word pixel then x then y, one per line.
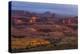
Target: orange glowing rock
pixel 33 17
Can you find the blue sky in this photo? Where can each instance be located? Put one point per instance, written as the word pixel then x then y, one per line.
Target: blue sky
pixel 66 9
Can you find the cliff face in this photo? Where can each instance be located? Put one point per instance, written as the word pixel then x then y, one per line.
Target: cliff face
pixel 70 21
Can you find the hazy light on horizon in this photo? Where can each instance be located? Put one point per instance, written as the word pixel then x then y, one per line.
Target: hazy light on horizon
pixel 43 7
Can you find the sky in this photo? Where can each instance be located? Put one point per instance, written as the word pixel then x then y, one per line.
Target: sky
pixel 67 9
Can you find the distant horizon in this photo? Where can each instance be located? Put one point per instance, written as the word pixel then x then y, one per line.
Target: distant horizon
pixel 65 9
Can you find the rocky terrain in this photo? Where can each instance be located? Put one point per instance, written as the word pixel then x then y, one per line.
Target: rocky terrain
pixel 42 31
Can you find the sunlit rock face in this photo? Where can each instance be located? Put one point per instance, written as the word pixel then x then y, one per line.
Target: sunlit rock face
pixel 33 19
